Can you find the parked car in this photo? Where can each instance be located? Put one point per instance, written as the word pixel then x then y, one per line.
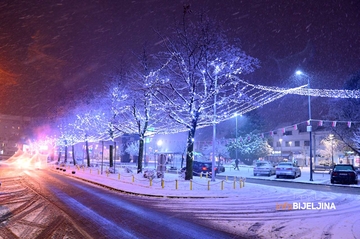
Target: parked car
pixel 264 168
pixel 202 167
pixel 288 169
pixel 344 173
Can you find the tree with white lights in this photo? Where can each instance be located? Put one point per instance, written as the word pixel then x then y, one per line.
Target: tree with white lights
pixel 251 147
pixel 134 108
pixel 67 136
pixel 201 69
pixel 328 147
pixel 90 124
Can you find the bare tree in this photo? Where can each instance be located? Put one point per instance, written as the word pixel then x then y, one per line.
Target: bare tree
pixel 347 110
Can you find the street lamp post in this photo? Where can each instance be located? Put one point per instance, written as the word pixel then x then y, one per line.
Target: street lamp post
pixel 236 136
pixel 309 128
pixel 280 140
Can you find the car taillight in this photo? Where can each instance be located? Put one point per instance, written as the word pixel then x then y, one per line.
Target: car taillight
pixel 204 168
pixel 334 173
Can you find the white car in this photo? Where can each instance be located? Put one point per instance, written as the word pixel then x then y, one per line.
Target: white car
pixel 287 169
pixel 264 168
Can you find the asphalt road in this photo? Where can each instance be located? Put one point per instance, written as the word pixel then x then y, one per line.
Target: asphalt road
pixel 102 213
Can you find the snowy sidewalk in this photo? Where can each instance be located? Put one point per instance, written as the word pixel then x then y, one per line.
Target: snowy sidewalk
pixel 229 183
pixel 172 184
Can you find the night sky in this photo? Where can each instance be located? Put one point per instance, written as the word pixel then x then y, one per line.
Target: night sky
pixel 55 52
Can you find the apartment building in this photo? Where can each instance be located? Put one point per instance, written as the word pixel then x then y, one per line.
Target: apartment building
pixel 12 130
pixel 294 144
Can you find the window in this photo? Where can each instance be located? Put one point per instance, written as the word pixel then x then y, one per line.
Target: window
pixel 306 143
pixel 278 144
pixel 288 143
pixel 297 143
pixel 288 132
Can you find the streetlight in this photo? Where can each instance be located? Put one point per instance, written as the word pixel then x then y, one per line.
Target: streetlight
pixel 280 140
pixel 236 136
pixel 308 129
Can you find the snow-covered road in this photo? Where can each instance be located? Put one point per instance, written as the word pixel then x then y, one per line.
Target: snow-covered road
pixel 256 211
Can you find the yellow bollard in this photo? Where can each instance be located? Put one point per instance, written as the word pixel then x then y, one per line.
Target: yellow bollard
pixel 226 178
pixel 176 184
pixel 234 184
pixel 222 185
pixel 240 181
pixel 190 184
pixel 133 178
pixel 206 174
pixel 201 175
pixel 162 183
pixel 150 182
pixel 90 171
pixel 119 176
pixel 208 185
pixel 99 171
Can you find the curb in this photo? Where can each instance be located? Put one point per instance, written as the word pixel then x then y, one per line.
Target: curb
pixel 136 193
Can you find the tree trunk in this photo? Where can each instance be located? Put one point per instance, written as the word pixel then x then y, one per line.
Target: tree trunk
pixel 59 156
pixel 182 161
pixel 66 153
pixel 190 155
pixel 73 153
pixel 111 156
pixel 114 156
pixel 141 154
pixel 87 153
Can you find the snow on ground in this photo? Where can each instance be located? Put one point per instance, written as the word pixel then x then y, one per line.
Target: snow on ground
pixel 243 208
pixel 249 209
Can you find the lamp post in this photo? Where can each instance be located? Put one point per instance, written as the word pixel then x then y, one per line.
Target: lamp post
pixel 236 135
pixel 280 140
pixel 214 134
pixel 292 158
pixel 309 128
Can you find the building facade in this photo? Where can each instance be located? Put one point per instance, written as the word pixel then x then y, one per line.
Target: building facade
pixel 12 131
pixel 294 144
